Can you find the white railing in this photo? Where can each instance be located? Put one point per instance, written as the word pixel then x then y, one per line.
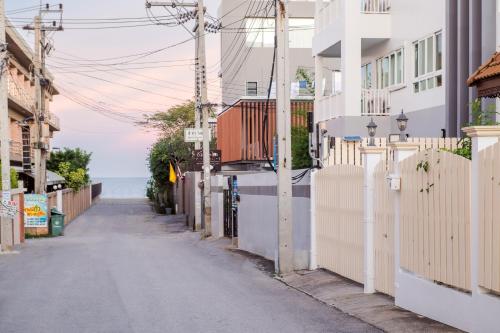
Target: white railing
pixel 375 6
pixel 375 102
pixel 329 107
pixel 327 14
pixel 54 121
pixel 19 94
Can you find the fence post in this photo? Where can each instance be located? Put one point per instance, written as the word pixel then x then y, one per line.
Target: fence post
pixel 313 264
pixel 371 156
pixel 59 200
pixel 402 150
pixel 482 138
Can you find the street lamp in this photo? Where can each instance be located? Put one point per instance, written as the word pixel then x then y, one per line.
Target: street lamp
pixel 372 130
pixel 402 124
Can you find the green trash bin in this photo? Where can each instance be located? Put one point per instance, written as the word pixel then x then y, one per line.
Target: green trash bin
pixel 56 222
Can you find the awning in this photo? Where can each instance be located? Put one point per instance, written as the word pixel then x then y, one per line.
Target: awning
pixel 487 78
pixel 54 178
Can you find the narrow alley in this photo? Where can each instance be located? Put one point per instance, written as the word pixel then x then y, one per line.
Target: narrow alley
pixel 121 268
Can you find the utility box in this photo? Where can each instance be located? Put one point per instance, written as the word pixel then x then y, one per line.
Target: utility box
pixel 56 223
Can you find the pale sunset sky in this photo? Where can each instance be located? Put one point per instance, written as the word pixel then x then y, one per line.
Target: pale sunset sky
pixel 119 148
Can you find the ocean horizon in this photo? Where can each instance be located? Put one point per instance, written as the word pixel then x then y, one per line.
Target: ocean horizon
pixel 122 187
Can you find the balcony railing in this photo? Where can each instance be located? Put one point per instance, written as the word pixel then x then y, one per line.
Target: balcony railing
pixel 54 121
pixel 19 95
pixel 375 102
pixel 327 14
pixel 332 10
pixel 329 107
pixel 375 6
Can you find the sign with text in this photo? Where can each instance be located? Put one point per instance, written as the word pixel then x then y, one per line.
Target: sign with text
pixel 35 211
pixel 215 160
pixel 8 209
pixel 194 135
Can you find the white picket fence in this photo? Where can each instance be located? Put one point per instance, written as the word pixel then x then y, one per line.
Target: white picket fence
pixel 429 241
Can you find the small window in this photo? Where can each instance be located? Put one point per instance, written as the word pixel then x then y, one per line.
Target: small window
pixel 251 89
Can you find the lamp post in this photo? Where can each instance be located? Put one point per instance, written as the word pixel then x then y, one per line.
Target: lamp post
pixel 372 130
pixel 402 124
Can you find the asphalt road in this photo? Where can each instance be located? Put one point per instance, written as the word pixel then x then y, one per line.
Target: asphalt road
pixel 120 268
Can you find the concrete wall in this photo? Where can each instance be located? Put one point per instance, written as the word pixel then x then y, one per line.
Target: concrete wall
pixel 258 217
pixel 240 63
pixel 217 206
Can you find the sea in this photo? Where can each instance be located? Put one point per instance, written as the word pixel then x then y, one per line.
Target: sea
pixel 122 188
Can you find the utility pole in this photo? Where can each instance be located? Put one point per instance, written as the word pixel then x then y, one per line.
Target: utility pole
pixel 39 94
pixel 41 84
pixel 283 122
pixel 6 223
pixel 201 106
pixel 202 59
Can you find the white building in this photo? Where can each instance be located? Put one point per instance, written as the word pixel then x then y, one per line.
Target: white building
pixel 395 55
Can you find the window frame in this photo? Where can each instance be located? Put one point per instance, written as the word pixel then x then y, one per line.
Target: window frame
pixel 388 68
pixel 426 74
pixel 247 89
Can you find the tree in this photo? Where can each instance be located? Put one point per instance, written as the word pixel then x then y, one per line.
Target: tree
pixel 170 148
pixel 303 74
pixel 77 159
pixel 72 164
pixel 174 120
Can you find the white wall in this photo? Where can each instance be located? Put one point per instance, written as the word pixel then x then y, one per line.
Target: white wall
pixel 258 217
pixel 217 206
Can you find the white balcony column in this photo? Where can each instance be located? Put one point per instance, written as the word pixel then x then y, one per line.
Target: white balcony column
pixel 319 87
pixel 351 58
pixel 402 150
pixel 371 159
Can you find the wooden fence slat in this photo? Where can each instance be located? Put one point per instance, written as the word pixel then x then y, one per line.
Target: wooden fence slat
pixel 435 217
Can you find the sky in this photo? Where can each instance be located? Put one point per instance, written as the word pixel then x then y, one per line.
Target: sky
pixel 152 83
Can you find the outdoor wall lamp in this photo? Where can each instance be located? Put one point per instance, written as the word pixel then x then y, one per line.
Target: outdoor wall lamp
pixel 402 124
pixel 372 130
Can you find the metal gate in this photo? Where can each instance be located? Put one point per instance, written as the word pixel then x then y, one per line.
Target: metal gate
pixel 231 207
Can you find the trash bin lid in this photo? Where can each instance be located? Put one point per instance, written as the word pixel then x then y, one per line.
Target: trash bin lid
pixel 54 211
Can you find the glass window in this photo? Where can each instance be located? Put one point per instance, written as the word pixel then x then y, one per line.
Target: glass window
pixel 385 72
pixel 400 66
pixel 428 62
pixel 430 54
pixel 390 70
pixel 393 69
pixel 251 89
pixel 439 51
pixel 366 76
pixel 421 58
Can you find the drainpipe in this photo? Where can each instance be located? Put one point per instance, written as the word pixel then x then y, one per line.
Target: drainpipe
pixel 463 66
pixel 475 41
pixel 451 67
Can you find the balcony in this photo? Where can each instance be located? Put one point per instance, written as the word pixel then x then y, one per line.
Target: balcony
pixel 375 102
pixel 54 122
pixel 19 95
pixel 371 16
pixel 329 107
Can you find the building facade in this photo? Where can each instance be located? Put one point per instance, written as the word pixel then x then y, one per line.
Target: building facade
pixel 398 55
pixel 247 47
pixel 22 101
